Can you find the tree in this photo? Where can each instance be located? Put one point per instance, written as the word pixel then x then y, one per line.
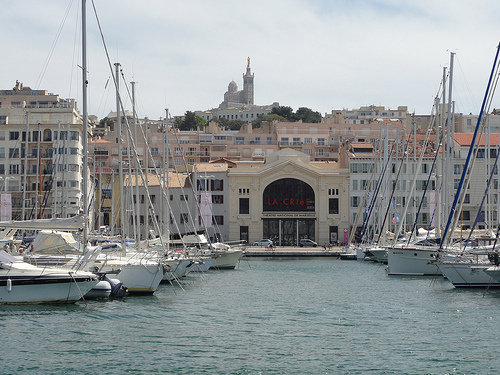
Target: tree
pixel 269 118
pixel 284 111
pixel 229 124
pixel 191 121
pixel 107 123
pixel 303 113
pixel 307 115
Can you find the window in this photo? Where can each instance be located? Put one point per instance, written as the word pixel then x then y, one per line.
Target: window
pixel 354 202
pixel 244 206
pixel 321 141
pixel 425 168
pixel 184 218
pixel 333 206
pixel 456 169
pixel 217 185
pixel 257 140
pixel 269 140
pixel 184 197
pixel 217 199
pixel 354 184
pixel 13 136
pixel 308 140
pixel 465 215
pixel 354 168
pixel 74 136
pixel 154 151
pixel 296 141
pixel 284 141
pixel 73 151
pixel 2 152
pixel 240 140
pixel 218 220
pixel 106 193
pixel 3 119
pixel 13 169
pixel 2 135
pixel 13 152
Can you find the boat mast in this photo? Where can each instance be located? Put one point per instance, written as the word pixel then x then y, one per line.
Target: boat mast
pixel 84 125
pixel 451 216
pixel 120 155
pixel 137 165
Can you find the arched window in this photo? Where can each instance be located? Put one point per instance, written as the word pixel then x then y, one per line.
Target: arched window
pixel 288 194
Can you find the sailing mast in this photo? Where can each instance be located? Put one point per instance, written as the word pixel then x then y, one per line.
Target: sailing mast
pixel 451 216
pixel 85 120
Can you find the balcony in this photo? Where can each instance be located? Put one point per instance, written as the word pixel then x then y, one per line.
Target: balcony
pixel 258 154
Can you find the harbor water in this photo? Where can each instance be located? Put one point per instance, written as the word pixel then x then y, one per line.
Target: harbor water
pixel 269 316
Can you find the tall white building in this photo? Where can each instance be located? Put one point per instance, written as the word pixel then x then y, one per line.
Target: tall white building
pixel 40 154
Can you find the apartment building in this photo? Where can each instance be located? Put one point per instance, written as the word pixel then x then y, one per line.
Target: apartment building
pixel 40 154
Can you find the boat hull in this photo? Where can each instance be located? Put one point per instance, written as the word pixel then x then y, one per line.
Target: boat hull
pixel 227 260
pixel 139 278
pixel 48 288
pixel 466 275
pixel 412 262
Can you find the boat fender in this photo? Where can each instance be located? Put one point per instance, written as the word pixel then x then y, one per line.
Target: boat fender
pixel 9 285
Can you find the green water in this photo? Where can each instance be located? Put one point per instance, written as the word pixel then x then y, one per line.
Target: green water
pixel 308 316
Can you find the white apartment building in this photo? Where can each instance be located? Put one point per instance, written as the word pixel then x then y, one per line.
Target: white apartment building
pixel 442 180
pixel 41 146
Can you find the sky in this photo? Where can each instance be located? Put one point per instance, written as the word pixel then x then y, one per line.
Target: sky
pixel 321 54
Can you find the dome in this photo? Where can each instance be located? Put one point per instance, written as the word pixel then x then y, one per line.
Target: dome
pixel 233 87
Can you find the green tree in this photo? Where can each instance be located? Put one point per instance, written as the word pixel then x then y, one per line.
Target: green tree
pixel 285 112
pixel 229 124
pixel 107 123
pixel 269 118
pixel 307 115
pixel 191 121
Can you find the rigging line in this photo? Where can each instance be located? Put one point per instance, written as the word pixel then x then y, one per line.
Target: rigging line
pixel 478 216
pixel 382 173
pixel 404 153
pixel 53 46
pixel 467 161
pixel 433 168
pixel 189 177
pixel 481 126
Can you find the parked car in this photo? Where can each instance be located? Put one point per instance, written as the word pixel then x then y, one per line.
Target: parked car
pixel 307 242
pixel 264 242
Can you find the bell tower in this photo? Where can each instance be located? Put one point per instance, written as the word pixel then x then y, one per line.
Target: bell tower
pixel 248 88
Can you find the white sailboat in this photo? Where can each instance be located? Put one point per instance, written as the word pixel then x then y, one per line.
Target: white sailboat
pixel 23 283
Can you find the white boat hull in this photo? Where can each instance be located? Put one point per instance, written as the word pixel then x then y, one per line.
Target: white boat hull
pixel 227 260
pixel 203 264
pixel 412 262
pixel 177 268
pixel 138 278
pixel 467 275
pixel 21 282
pixel 493 271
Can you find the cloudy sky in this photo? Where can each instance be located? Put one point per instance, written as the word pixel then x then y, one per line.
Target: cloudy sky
pixel 320 54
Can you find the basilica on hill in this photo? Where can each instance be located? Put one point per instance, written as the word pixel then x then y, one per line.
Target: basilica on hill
pixel 239 104
pixel 238 99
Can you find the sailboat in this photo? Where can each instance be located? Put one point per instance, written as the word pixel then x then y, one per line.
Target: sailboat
pixel 23 283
